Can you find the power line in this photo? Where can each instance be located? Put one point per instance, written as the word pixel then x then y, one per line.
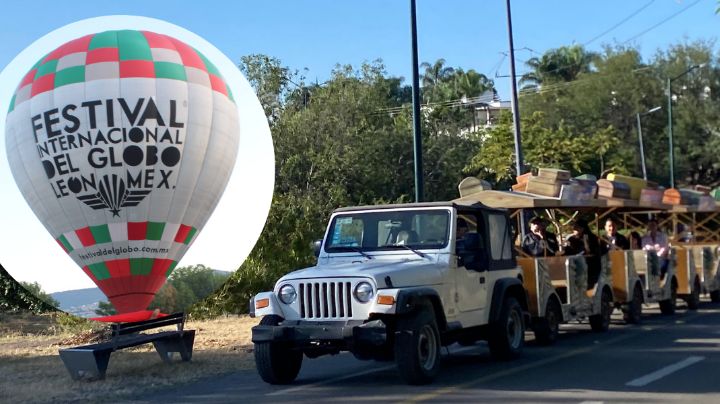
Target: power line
pixel 663 21
pixel 624 20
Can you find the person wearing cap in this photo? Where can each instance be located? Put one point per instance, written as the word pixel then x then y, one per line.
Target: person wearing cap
pixel 538 242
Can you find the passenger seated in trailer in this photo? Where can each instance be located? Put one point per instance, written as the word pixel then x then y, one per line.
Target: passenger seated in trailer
pixel 538 242
pixel 613 240
pixel 584 242
pixel 655 240
pixel 635 241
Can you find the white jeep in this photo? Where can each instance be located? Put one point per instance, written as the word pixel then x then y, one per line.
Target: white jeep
pixel 396 282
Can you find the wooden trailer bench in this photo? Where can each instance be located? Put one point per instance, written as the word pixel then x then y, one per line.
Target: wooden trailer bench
pixel 91 361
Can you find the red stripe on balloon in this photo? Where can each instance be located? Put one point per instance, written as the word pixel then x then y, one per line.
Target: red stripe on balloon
pixel 28 79
pixel 118 268
pixel 74 46
pixel 137 68
pixel 188 55
pixel 182 233
pixel 137 230
pixel 100 55
pixel 218 84
pixel 158 41
pixel 85 236
pixel 42 84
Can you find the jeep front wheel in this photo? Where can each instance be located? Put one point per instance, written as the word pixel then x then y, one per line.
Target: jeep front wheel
pixel 507 335
pixel 276 362
pixel 417 346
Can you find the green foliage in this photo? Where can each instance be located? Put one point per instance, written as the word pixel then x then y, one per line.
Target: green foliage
pixel 38 292
pixel 186 286
pixel 14 297
pixel 105 309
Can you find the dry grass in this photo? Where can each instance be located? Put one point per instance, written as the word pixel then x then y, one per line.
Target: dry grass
pixel 32 371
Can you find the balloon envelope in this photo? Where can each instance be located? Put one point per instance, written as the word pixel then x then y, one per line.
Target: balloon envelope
pixel 122 143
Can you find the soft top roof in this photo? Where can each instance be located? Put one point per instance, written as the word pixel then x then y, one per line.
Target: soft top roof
pixel 449 204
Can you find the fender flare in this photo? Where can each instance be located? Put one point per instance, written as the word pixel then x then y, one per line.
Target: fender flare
pixel 503 287
pixel 408 300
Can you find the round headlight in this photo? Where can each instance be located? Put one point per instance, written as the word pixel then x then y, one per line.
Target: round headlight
pixel 287 294
pixel 363 292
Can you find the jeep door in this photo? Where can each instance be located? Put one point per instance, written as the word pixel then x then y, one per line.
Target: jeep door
pixel 471 270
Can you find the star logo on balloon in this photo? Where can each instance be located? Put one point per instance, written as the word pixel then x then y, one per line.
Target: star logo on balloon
pixel 112 194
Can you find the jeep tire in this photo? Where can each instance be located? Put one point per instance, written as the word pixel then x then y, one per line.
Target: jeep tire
pixel 417 346
pixel 507 335
pixel 276 362
pixel 546 328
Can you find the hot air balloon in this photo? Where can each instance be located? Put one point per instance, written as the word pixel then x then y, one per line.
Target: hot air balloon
pixel 122 143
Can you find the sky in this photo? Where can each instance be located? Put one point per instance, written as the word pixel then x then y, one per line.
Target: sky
pixel 318 34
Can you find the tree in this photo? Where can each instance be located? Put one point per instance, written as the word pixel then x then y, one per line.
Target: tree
pixel 562 64
pixel 105 309
pixel 15 297
pixel 37 291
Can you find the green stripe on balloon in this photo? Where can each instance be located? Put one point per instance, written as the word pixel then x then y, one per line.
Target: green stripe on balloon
pixel 12 103
pixel 75 74
pixel 46 68
pixel 170 268
pixel 99 270
pixel 167 70
pixel 154 230
pixel 65 243
pixel 132 45
pixel 101 234
pixel 190 235
pixel 107 39
pixel 141 266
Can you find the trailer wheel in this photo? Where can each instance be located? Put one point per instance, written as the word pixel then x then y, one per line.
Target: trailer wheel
pixel 693 301
pixel 601 322
pixel 715 296
pixel 668 306
pixel 633 313
pixel 276 362
pixel 546 329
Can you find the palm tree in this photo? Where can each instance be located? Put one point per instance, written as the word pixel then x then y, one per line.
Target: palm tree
pixel 434 75
pixel 563 64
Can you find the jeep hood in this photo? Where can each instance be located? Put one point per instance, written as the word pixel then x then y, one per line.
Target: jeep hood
pixel 404 272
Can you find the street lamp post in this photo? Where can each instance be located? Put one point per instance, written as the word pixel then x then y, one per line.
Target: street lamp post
pixel 640 139
pixel 670 124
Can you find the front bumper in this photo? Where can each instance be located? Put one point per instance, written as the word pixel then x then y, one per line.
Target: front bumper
pixel 343 333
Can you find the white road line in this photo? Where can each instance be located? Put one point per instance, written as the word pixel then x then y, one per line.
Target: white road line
pixel 660 373
pixel 362 373
pixel 592 402
pixel 329 381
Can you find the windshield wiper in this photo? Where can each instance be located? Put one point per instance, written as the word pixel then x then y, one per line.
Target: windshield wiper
pixel 407 247
pixel 358 250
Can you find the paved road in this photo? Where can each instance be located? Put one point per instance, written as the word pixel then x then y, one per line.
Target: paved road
pixel 664 359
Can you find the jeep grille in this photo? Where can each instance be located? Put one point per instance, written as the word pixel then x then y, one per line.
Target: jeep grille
pixel 325 299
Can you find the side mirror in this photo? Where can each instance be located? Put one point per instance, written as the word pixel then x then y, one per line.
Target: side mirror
pixel 317 245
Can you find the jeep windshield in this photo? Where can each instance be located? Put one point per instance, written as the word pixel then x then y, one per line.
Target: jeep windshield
pixel 387 230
